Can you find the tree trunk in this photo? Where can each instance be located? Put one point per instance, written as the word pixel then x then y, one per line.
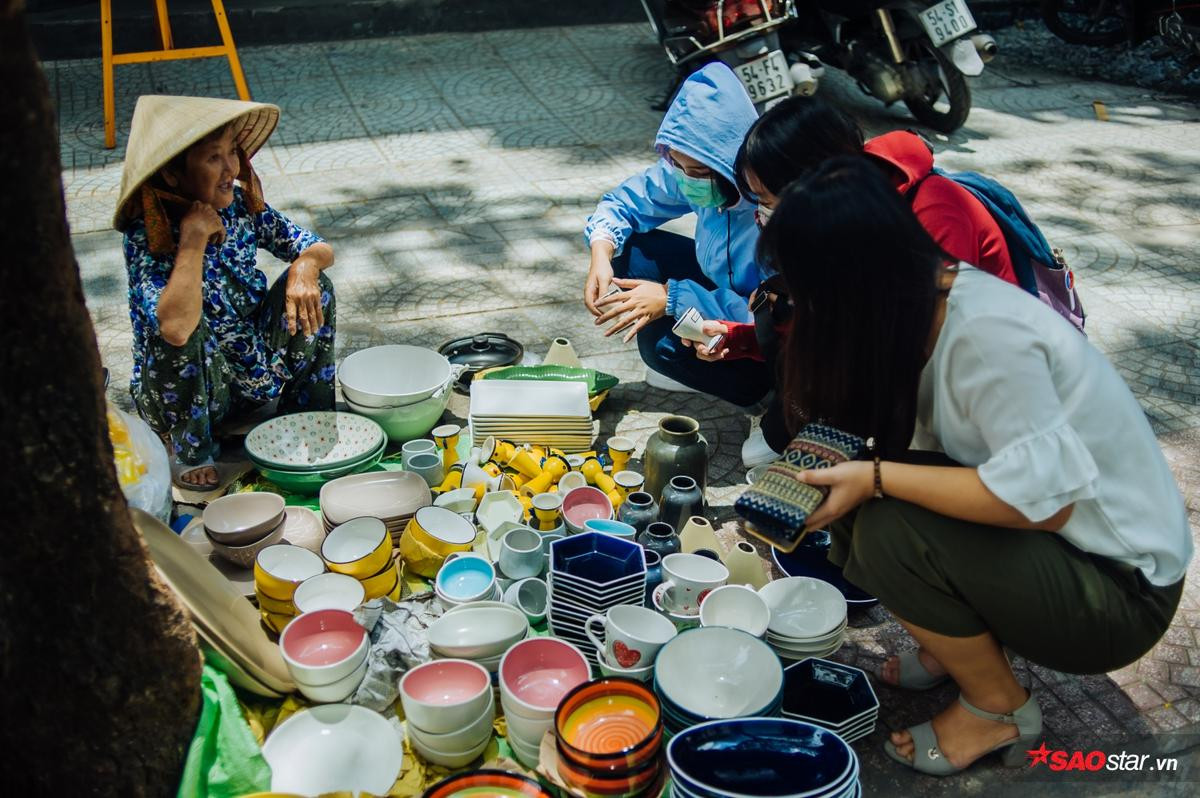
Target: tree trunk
pixel 99 669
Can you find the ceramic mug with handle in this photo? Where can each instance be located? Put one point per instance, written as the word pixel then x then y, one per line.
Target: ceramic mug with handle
pixel 690 578
pixel 632 635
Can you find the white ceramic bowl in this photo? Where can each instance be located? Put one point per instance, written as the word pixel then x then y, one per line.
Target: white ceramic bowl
pixel 243 556
pixel 462 739
pixel 241 519
pixel 738 607
pixel 803 607
pixel 528 754
pixel 444 695
pixel 536 673
pixel 393 375
pixel 524 728
pixel 448 759
pixel 496 508
pixel 716 672
pixel 640 674
pixel 382 494
pixel 474 631
pixel 323 647
pixel 329 591
pixel 337 691
pixel 332 749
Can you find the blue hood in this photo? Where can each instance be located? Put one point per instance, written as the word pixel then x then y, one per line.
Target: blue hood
pixel 708 119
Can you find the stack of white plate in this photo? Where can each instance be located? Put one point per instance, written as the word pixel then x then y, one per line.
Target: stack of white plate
pixel 808 617
pixel 549 413
pixel 391 496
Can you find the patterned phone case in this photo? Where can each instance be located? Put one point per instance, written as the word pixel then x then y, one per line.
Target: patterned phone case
pixel 777 506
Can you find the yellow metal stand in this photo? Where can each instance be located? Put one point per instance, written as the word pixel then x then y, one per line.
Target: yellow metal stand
pixel 226 49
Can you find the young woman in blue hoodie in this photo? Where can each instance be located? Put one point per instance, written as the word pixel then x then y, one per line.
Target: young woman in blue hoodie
pixel 663 274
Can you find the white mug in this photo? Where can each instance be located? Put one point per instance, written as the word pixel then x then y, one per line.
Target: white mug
pixel 427 465
pixel 632 635
pixel 690 578
pixel 521 553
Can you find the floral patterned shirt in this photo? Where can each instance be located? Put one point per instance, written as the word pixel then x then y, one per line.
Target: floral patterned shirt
pixel 233 288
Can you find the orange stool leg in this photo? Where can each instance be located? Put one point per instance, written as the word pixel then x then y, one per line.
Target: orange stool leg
pixel 235 65
pixel 164 24
pixel 110 111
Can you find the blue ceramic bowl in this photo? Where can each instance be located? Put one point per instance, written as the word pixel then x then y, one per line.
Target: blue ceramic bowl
pixel 605 526
pixel 811 558
pixel 466 578
pixel 758 758
pixel 826 692
pixel 601 559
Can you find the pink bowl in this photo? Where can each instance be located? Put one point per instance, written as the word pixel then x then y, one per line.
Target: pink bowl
pixel 323 646
pixel 445 695
pixel 583 504
pixel 537 672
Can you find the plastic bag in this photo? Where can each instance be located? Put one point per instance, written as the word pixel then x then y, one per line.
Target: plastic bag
pixel 141 461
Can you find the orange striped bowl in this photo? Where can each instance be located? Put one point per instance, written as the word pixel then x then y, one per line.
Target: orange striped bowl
pixel 612 725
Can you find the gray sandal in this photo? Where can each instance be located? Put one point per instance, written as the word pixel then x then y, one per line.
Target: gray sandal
pixel 911 674
pixel 929 759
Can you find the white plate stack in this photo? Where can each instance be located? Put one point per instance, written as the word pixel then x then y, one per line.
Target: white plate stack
pixel 391 496
pixel 527 411
pixel 808 617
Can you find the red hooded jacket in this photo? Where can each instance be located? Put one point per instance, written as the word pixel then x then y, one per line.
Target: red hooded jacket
pixel 958 222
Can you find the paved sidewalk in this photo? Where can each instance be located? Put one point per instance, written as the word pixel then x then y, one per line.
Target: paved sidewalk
pixel 452 174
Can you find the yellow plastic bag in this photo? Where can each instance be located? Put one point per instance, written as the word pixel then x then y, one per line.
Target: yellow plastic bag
pixel 141 462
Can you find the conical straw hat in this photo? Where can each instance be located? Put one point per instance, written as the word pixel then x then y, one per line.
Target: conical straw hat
pixel 164 126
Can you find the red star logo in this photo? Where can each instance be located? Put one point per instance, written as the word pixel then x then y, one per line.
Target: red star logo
pixel 1038 756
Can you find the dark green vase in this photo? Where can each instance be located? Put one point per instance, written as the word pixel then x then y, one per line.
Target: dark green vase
pixel 675 449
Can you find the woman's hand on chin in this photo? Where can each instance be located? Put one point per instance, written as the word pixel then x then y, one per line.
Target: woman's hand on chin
pixel 303 299
pixel 201 224
pixel 642 302
pixel 850 484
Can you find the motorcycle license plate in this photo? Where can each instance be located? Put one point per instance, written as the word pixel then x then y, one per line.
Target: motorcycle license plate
pixel 947 21
pixel 766 77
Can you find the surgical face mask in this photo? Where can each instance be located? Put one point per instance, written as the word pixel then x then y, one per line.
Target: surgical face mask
pixel 763 215
pixel 700 191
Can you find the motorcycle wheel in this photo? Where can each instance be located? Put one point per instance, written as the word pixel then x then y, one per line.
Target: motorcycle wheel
pixel 1094 22
pixel 946 102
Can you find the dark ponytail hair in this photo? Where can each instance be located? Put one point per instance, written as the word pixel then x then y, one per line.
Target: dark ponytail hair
pixel 793 138
pixel 863 278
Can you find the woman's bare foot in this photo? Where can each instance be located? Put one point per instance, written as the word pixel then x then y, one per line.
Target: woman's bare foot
pixel 890 672
pixel 962 737
pixel 201 477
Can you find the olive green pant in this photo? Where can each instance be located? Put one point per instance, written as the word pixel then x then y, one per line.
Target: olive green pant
pixel 1042 597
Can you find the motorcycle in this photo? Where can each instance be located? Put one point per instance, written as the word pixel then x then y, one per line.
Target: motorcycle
pixel 1106 22
pixel 905 50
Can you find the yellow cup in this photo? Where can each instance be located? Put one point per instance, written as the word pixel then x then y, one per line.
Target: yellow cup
pixel 590 468
pixel 504 451
pixel 555 465
pixel 616 498
pixel 539 452
pixel 446 437
pixel 620 449
pixel 453 479
pixel 526 500
pixel 491 469
pixel 546 509
pixel 539 484
pixel 420 559
pixel 381 583
pixel 604 482
pixel 526 464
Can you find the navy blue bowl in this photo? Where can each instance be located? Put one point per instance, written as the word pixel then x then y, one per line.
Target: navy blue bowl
pixel 600 559
pixel 759 757
pixel 827 692
pixel 810 558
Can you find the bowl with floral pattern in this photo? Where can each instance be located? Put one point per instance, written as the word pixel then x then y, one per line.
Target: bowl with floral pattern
pixel 313 441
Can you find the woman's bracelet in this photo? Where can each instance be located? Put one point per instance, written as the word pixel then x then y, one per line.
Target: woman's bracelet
pixel 878 480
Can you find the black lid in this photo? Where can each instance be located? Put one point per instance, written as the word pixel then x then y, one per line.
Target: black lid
pixel 482 351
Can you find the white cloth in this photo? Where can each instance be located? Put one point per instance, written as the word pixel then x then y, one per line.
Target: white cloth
pixel 1014 390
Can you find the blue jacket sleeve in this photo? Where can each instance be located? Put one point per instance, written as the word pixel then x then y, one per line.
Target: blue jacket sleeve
pixel 719 304
pixel 641 203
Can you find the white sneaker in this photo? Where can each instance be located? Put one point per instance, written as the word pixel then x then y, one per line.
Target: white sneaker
pixel 756 451
pixel 665 383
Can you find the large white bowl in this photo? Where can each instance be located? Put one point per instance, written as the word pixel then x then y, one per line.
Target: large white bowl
pixel 443 695
pixel 461 739
pixel 475 632
pixel 716 672
pixel 334 748
pixel 803 607
pixel 316 441
pixel 382 494
pixel 407 423
pixel 393 375
pixel 329 591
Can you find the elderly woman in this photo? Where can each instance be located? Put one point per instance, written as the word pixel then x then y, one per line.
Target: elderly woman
pixel 209 337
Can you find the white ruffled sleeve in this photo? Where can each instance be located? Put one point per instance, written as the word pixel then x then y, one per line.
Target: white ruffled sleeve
pixel 1002 381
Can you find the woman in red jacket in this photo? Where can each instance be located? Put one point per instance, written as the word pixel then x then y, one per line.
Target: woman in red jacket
pixel 797 136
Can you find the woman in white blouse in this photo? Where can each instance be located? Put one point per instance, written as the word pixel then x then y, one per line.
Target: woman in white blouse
pixel 1042 516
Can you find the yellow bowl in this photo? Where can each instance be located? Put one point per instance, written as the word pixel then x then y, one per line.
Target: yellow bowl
pixel 421 560
pixel 279 570
pixel 382 583
pixel 273 605
pixel 277 623
pixel 359 548
pixel 441 531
